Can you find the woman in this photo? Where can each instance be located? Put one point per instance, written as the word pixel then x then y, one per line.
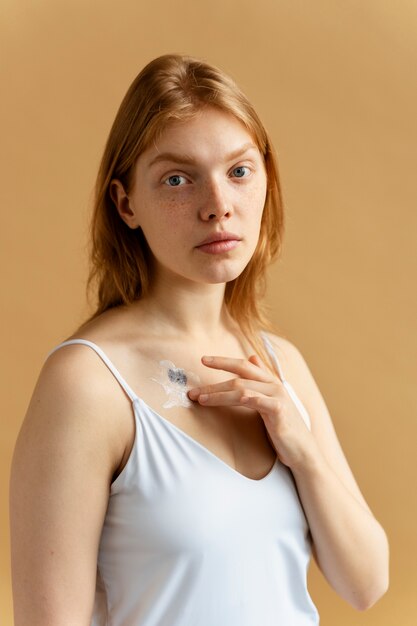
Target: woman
pixel 167 473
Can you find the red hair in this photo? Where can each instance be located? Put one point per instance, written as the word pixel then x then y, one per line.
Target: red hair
pixel 176 87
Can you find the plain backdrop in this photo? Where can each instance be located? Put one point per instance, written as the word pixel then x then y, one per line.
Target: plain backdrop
pixel 335 84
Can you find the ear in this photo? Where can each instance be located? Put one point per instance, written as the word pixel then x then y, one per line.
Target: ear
pixel 121 202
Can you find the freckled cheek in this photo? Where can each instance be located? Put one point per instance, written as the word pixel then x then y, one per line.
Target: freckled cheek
pixel 173 208
pixel 167 219
pixel 174 217
pixel 253 203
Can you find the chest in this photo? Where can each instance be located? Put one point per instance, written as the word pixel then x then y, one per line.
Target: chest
pixel 194 500
pixel 234 434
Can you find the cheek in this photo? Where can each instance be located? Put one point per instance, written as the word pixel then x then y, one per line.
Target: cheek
pixel 255 202
pixel 172 208
pixel 165 219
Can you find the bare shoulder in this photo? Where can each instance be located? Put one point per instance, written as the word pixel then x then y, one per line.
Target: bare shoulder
pixel 298 373
pixel 282 343
pixel 290 358
pixel 74 397
pixel 111 327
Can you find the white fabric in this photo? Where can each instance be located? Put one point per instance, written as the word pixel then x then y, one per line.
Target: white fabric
pixel 189 541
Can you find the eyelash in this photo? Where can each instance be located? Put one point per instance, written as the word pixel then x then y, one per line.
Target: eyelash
pixel 181 176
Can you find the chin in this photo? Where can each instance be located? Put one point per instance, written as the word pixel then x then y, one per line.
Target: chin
pixel 222 275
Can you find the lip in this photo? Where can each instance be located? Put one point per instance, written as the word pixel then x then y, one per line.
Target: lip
pixel 218 247
pixel 219 236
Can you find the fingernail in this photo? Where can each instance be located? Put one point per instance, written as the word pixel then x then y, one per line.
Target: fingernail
pixel 207 359
pixel 203 397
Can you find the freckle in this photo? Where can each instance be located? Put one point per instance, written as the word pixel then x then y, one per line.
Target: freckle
pixel 175 204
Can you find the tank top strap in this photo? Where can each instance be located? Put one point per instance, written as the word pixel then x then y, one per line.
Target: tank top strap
pixel 271 352
pixel 129 391
pixel 291 391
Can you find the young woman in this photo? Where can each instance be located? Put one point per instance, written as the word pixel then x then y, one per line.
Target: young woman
pixel 177 465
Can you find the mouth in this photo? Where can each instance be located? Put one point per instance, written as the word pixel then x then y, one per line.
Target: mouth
pixel 218 237
pixel 219 246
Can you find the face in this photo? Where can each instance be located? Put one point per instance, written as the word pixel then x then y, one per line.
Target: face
pixel 203 177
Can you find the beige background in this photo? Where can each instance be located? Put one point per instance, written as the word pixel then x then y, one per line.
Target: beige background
pixel 335 84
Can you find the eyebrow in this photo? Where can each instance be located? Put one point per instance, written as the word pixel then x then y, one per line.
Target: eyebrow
pixel 188 160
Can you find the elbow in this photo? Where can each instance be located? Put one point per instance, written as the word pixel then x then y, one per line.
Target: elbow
pixel 369 602
pixel 371 598
pixel 381 582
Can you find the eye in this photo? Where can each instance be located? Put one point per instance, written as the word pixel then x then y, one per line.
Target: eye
pixel 175 179
pixel 240 169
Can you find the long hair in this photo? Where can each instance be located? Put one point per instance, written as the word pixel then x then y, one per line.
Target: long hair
pixel 176 87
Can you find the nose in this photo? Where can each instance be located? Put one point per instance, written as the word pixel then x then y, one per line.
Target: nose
pixel 214 202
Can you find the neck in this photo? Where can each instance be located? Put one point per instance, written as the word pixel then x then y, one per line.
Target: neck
pixel 188 310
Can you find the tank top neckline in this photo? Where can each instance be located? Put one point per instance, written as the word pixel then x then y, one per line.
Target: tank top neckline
pixel 182 433
pixel 135 399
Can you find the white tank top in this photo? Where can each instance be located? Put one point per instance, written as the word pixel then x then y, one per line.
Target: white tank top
pixel 189 541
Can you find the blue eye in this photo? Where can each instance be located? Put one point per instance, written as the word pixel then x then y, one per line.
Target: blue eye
pixel 175 178
pixel 241 168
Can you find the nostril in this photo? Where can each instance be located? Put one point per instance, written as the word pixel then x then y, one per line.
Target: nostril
pixel 215 210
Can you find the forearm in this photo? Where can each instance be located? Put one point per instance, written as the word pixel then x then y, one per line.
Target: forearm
pixel 351 546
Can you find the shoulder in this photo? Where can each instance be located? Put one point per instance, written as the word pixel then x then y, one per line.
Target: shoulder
pixel 110 327
pixel 289 356
pixel 66 412
pixel 73 407
pixel 298 373
pixel 75 374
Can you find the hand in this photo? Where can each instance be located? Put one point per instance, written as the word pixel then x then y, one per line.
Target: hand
pixel 258 389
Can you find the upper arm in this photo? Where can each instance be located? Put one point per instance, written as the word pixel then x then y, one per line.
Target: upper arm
pixel 322 427
pixel 59 487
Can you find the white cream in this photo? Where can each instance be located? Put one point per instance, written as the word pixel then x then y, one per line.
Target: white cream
pixel 175 382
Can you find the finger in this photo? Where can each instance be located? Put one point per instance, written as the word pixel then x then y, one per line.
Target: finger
pixel 269 406
pixel 261 402
pixel 223 398
pixel 237 385
pixel 256 360
pixel 242 367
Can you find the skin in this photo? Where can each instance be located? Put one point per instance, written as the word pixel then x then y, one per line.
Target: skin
pixel 177 207
pixel 255 387
pixel 78 430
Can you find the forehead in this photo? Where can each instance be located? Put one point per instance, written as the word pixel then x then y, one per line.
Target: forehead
pixel 210 132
